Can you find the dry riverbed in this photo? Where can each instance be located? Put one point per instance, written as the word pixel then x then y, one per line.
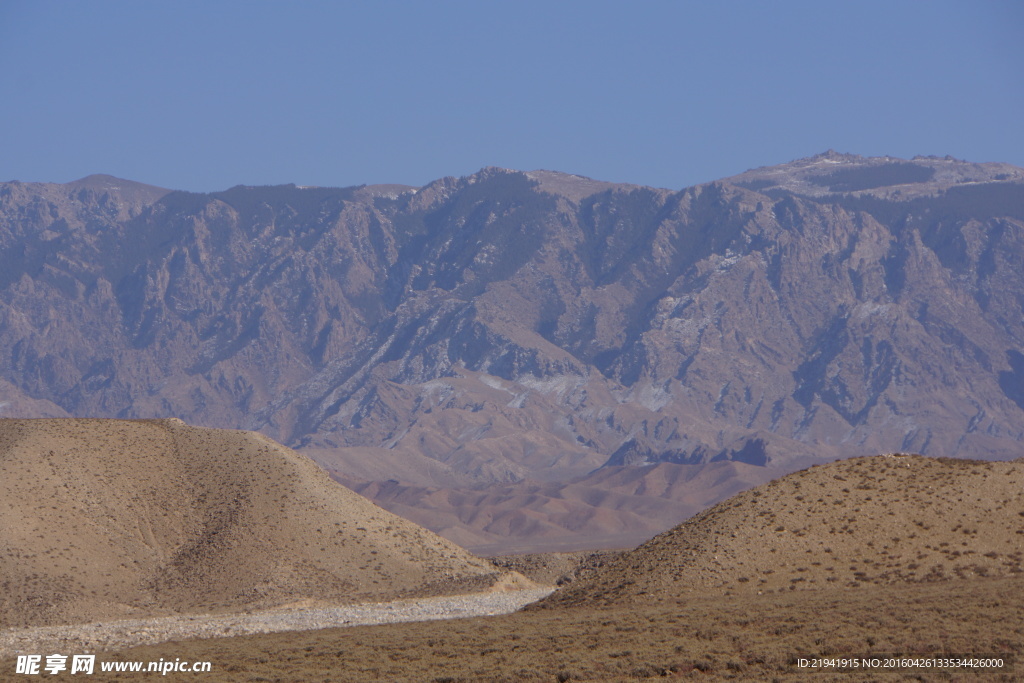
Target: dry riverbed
pixel 116 635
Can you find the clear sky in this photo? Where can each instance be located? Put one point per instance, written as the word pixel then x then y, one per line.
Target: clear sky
pixel 206 95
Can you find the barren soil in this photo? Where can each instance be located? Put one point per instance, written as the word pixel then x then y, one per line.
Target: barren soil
pixel 739 637
pixel 924 553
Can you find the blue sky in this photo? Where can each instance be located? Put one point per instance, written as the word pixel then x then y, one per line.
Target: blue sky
pixel 206 95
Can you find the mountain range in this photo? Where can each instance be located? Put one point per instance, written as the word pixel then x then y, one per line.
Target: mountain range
pixel 536 359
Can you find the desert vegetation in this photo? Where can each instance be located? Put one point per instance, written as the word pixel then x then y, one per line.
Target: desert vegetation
pixel 890 519
pixel 738 637
pixel 867 558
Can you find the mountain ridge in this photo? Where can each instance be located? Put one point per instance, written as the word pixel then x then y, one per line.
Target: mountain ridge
pixel 503 328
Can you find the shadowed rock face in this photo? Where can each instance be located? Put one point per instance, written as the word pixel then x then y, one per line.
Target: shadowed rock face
pixel 511 326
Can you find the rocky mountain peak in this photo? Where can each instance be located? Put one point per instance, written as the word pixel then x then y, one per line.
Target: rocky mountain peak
pixel 887 177
pixel 571 186
pixel 127 189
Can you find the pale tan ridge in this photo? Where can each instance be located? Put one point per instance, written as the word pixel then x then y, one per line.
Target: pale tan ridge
pixel 105 519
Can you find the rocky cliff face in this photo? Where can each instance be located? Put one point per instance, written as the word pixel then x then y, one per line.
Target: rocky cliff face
pixel 509 326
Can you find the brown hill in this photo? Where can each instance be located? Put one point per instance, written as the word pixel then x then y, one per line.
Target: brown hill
pixel 873 520
pixel 117 518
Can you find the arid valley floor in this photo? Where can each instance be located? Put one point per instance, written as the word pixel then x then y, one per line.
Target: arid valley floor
pixel 744 638
pixel 862 558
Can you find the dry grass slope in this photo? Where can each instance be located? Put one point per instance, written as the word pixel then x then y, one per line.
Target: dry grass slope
pixel 706 638
pixel 679 607
pixel 872 520
pixel 115 518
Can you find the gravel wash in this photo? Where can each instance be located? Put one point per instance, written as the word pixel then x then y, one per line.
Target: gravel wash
pixel 117 635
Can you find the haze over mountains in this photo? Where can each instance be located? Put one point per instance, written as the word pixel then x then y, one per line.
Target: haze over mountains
pixel 614 357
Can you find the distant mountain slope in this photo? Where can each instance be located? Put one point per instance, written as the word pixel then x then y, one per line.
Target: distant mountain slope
pixel 613 507
pixel 111 518
pixel 872 520
pixel 534 327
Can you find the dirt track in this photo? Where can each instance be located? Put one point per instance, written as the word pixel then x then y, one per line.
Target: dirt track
pixel 115 635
